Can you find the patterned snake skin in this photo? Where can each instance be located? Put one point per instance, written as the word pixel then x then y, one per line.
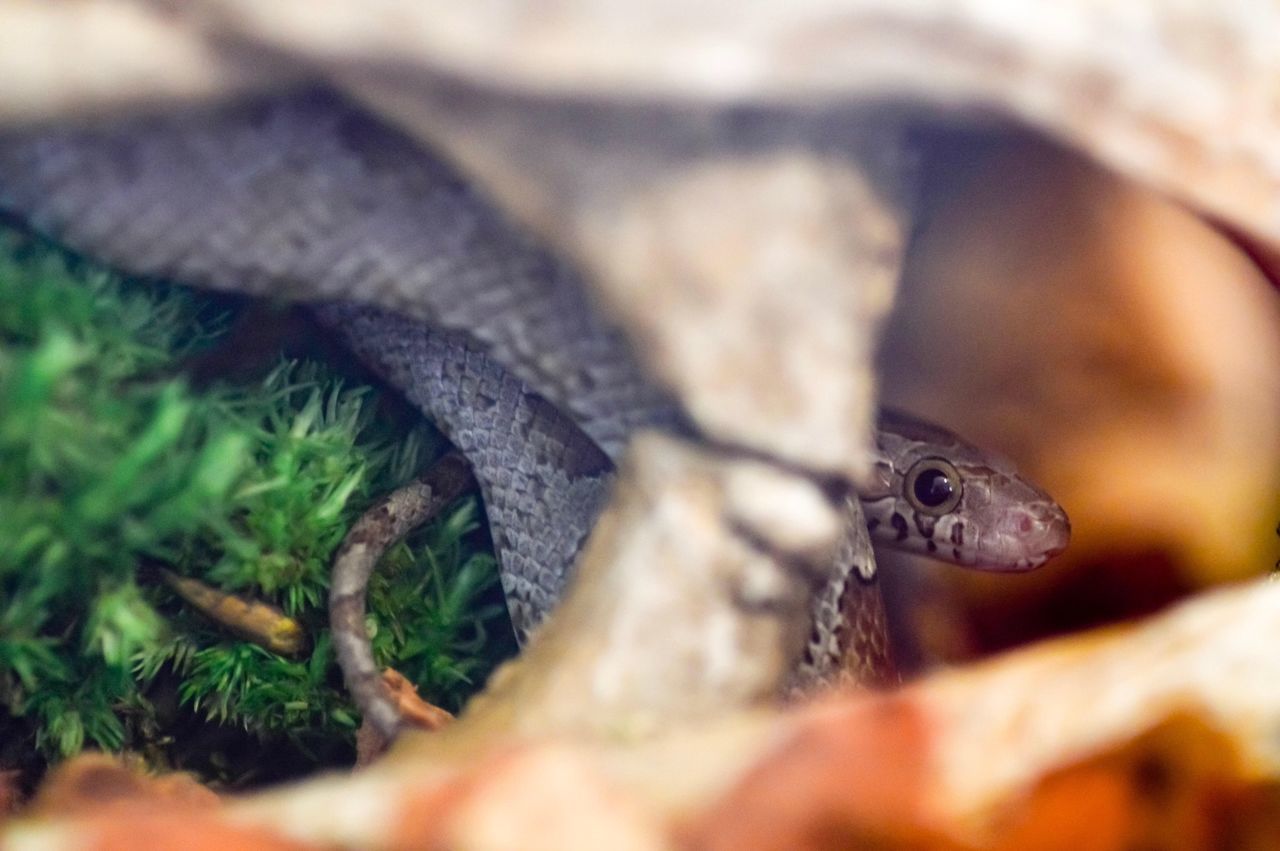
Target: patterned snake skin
pixel 302 197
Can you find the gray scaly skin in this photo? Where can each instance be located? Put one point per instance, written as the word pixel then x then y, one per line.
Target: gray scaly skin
pixel 301 196
pixel 543 480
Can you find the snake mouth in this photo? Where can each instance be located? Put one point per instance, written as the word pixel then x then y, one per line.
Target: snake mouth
pixel 1024 538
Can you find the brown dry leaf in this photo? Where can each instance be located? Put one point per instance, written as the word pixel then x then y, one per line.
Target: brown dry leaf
pixel 548 798
pixel 1165 732
pixel 849 776
pixel 94 781
pixel 852 780
pixel 11 797
pixel 121 807
pixel 1129 354
pixel 1123 352
pixel 414 712
pixel 148 825
pixel 1180 785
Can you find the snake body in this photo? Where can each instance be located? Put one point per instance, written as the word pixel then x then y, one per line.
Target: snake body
pixel 486 331
pixel 991 516
pixel 544 480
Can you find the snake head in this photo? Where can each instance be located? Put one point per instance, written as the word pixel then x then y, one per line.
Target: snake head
pixel 938 495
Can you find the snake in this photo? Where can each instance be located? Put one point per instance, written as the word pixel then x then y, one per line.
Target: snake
pixel 933 494
pixel 302 196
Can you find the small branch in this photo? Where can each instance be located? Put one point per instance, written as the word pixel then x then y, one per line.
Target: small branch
pixel 378 529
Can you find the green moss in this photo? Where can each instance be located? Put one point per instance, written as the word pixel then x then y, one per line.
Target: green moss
pixel 112 464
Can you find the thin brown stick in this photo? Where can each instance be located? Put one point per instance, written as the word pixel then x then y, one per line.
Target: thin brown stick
pixel 378 529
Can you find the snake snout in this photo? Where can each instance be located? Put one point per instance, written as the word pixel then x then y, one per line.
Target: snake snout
pixel 1025 537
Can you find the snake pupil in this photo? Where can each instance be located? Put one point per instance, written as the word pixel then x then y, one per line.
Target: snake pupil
pixel 933 488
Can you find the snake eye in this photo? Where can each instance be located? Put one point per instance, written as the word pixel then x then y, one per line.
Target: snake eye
pixel 933 486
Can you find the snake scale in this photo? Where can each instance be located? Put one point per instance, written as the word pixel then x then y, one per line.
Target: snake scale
pixel 301 196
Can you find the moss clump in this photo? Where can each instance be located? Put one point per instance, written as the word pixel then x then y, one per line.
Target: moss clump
pixel 112 465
